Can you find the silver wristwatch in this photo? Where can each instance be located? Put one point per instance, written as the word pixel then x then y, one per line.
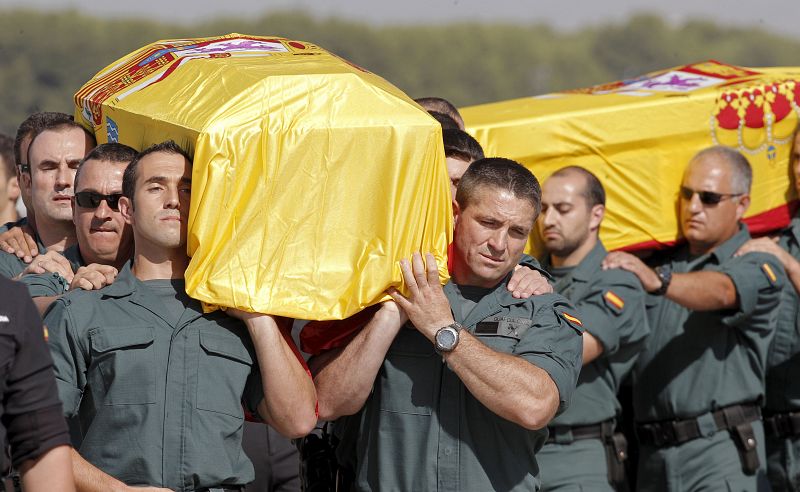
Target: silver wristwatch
pixel 446 338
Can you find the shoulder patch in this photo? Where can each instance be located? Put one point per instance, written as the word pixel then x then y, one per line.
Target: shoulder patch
pixel 571 319
pixel 46 334
pixel 613 301
pixel 770 274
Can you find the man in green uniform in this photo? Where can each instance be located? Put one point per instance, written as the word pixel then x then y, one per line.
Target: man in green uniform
pixel 54 154
pixel 104 242
pixel 157 385
pixel 782 405
pixel 699 383
pixel 582 449
pixel 458 399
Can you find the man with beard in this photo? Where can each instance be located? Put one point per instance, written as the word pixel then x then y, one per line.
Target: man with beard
pixel 582 449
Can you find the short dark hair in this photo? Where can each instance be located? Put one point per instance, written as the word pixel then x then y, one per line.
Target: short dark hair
pixel 57 125
pixel 7 156
pixel 110 152
pixel 501 173
pixel 461 145
pixel 33 125
pixel 594 192
pixel 441 105
pixel 742 177
pixel 447 122
pixel 129 178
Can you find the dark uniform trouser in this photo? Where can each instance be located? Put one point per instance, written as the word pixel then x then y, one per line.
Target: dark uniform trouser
pixel 580 465
pixel 275 458
pixel 783 451
pixel 706 463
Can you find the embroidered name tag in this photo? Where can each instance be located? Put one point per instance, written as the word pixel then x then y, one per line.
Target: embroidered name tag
pixel 504 325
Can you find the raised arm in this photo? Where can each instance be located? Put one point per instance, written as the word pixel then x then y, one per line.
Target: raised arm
pixel 698 291
pixel 508 385
pixel 289 397
pixel 344 376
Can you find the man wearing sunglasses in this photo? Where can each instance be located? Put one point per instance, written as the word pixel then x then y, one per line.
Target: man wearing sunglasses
pixel 104 239
pixel 698 384
pixel 53 156
pixel 782 405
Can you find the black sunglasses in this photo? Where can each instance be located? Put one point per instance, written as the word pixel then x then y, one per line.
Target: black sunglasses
pixel 707 197
pixel 90 199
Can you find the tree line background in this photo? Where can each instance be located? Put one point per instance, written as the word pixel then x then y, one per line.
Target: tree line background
pixel 46 57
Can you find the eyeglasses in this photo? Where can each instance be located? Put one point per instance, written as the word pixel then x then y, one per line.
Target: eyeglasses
pixel 90 199
pixel 707 197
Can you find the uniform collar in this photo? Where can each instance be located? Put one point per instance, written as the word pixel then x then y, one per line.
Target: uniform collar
pixel 127 285
pixel 588 266
pixel 74 256
pixel 726 250
pixel 492 302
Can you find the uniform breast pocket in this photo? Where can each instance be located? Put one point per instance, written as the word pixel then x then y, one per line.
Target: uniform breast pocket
pixel 222 373
pixel 125 360
pixel 409 376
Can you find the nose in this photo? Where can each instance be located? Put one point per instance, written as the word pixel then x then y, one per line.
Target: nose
pixel 103 211
pixel 172 198
pixel 548 217
pixel 498 241
pixel 64 176
pixel 695 205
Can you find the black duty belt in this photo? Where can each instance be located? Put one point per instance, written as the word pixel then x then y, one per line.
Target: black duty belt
pixel 783 425
pixel 673 432
pixel 225 488
pixel 563 434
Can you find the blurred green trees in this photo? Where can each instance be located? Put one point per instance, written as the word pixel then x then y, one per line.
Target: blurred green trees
pixel 45 57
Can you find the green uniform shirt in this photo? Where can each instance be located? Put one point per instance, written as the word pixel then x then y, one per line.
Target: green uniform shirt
pixel 698 361
pixel 8 225
pixel 421 429
pixel 11 265
pixel 611 303
pixel 783 362
pixel 158 404
pixel 53 284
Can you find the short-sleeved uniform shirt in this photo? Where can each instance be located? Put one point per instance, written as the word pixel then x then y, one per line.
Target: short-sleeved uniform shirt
pixel 51 283
pixel 695 362
pixel 158 395
pixel 783 362
pixel 421 429
pixel 31 419
pixel 12 265
pixel 612 303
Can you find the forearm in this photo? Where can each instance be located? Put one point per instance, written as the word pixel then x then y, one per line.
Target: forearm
pixel 89 478
pixel 792 267
pixel 50 472
pixel 592 348
pixel 289 398
pixel 509 386
pixel 703 291
pixel 344 379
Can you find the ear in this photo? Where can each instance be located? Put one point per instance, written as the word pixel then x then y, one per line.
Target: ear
pixel 742 206
pixel 596 216
pixel 126 209
pixel 456 212
pixel 12 189
pixel 25 180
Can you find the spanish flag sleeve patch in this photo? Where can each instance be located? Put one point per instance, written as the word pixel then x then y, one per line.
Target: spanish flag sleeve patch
pixel 613 301
pixel 770 273
pixel 572 319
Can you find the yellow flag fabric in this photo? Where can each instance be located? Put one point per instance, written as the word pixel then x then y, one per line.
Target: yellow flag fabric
pixel 638 135
pixel 312 177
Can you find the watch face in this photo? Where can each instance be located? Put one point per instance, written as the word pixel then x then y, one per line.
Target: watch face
pixel 446 339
